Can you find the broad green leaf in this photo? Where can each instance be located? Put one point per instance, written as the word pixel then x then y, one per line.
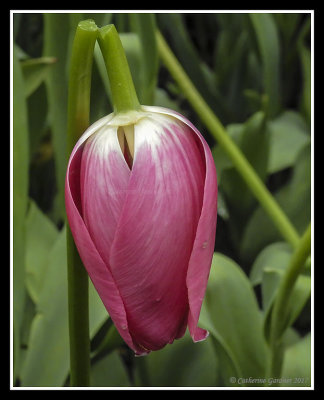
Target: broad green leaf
pixel 109 372
pixel 267 38
pixel 288 135
pixel 300 294
pixel 183 363
pixel 41 235
pixel 276 255
pixel 47 358
pixel 228 366
pixel 235 317
pixel 20 149
pixel 35 71
pixel 295 200
pixel 297 365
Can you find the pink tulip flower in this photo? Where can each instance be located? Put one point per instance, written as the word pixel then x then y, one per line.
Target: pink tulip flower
pixel 141 201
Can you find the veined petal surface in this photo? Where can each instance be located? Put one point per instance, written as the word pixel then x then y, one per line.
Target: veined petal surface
pixel 97 269
pixel 104 182
pixel 203 248
pixel 157 228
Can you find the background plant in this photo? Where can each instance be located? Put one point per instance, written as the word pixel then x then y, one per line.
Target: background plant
pixel 253 71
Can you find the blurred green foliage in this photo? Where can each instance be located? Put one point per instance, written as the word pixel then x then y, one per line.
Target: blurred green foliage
pixel 254 70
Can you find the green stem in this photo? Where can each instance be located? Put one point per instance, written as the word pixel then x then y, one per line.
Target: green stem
pixel 281 305
pixel 78 121
pixel 121 82
pixel 218 131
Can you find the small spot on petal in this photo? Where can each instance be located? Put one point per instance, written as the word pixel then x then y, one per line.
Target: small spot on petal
pixel 204 245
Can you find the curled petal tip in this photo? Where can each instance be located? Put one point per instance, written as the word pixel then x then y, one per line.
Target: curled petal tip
pixel 200 335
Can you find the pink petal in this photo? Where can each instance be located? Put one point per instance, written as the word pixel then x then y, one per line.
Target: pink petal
pixel 97 269
pixel 104 181
pixel 203 248
pixel 153 241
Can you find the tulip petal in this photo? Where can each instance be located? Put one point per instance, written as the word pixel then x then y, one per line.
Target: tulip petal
pixel 104 181
pixel 203 248
pixel 97 269
pixel 156 230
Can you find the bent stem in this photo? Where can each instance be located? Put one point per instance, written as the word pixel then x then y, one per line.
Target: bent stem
pixel 218 131
pixel 78 121
pixel 281 304
pixel 121 83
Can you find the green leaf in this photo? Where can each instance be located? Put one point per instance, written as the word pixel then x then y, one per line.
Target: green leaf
pixel 295 200
pixel 47 357
pixel 276 255
pixel 296 369
pixel 229 366
pixel 20 200
pixel 267 38
pixel 235 318
pixel 183 363
pixel 35 71
pixel 288 135
pixel 109 371
pixel 299 297
pixel 41 234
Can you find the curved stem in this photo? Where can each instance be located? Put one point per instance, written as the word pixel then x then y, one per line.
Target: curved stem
pixel 281 304
pixel 121 82
pixel 218 131
pixel 78 121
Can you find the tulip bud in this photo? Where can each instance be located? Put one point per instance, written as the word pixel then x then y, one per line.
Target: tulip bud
pixel 141 201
